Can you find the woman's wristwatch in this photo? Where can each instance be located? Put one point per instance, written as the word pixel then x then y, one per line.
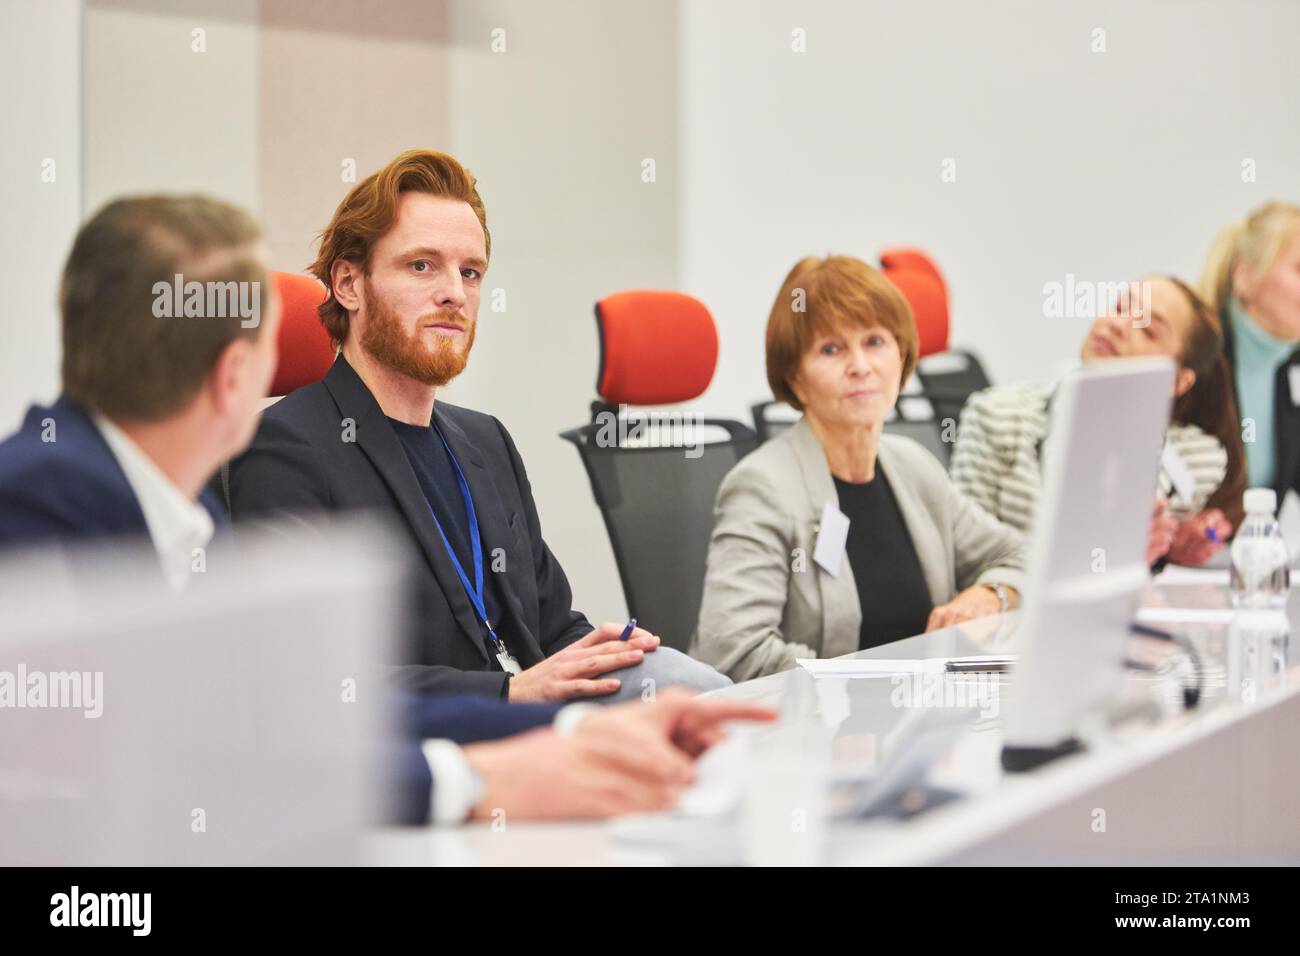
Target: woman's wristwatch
pixel 1004 596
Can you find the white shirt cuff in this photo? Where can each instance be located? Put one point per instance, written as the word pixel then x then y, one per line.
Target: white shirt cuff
pixel 456 786
pixel 570 716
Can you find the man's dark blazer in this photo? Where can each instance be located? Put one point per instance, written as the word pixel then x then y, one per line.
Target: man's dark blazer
pixel 462 720
pixel 1286 416
pixel 328 447
pixel 69 488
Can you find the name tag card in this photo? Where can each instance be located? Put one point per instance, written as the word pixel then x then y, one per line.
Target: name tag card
pixel 1179 474
pixel 833 533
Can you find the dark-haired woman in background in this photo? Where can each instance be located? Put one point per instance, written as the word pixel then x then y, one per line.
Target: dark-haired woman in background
pixel 996 461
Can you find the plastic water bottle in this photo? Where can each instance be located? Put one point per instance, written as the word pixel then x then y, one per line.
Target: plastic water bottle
pixel 1261 572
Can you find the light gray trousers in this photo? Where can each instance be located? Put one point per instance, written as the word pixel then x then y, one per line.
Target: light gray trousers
pixel 662 668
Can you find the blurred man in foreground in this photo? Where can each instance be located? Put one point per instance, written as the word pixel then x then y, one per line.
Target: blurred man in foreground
pixel 169 345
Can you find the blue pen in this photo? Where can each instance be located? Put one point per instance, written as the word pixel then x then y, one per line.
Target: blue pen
pixel 1212 535
pixel 627 631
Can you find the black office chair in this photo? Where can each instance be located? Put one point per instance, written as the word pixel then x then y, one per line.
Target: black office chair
pixel 948 379
pixel 655 475
pixel 770 420
pixel 915 418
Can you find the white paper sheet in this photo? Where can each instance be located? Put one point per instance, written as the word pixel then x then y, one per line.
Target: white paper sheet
pixel 1185 615
pixel 870 667
pixel 1176 574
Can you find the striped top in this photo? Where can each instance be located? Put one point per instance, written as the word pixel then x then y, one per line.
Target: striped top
pixel 996 463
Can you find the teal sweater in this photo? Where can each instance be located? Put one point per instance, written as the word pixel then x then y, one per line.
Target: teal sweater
pixel 1257 357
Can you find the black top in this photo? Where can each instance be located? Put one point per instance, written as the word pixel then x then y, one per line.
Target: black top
pixel 891 588
pixel 437 477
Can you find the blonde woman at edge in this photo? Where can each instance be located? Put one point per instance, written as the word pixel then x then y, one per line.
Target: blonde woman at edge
pixel 841 340
pixel 1252 280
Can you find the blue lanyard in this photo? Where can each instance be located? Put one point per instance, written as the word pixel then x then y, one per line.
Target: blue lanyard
pixel 475 593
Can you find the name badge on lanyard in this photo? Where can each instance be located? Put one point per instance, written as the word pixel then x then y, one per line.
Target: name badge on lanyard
pixel 475 591
pixel 507 660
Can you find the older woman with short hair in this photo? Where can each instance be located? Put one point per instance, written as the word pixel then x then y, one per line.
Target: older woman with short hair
pixel 781 583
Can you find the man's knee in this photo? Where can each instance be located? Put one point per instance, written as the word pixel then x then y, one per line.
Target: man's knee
pixel 667 667
pixel 662 669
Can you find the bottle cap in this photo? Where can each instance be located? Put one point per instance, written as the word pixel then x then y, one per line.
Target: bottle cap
pixel 1258 500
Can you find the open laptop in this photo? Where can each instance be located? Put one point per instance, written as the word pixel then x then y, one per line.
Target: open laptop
pixel 1087 554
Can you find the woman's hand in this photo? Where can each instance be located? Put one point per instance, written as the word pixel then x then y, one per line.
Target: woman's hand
pixel 1193 544
pixel 974 602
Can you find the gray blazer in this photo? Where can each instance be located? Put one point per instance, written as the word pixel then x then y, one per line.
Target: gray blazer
pixel 766 602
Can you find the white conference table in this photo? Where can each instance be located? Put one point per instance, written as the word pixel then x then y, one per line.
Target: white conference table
pixel 1217 784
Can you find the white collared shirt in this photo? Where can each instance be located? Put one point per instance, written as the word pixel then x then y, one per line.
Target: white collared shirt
pixel 177 525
